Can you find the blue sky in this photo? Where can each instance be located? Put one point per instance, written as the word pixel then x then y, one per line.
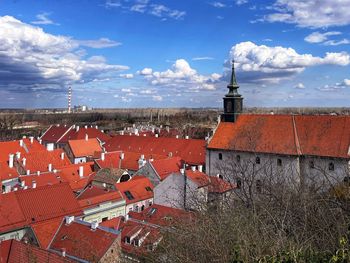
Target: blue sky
pixel 157 53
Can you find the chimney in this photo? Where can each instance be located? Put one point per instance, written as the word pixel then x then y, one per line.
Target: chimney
pixel 182 171
pixel 11 156
pixel 104 185
pixel 122 156
pixel 28 172
pixel 86 127
pixel 193 168
pixel 40 141
pixel 38 173
pixel 187 137
pixel 24 161
pixel 77 128
pixel 122 133
pixel 69 219
pixel 142 156
pixel 144 135
pixel 18 155
pixel 62 156
pixel 157 135
pixel 81 171
pixel 86 137
pixel 136 131
pixel 23 183
pixel 200 168
pixel 50 167
pixel 63 252
pixel 102 156
pixel 96 127
pixel 31 139
pixel 33 184
pixel 21 143
pixel 94 225
pixel 170 154
pixel 177 136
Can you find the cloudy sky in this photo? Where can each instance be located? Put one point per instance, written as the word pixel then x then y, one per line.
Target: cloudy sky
pixel 158 53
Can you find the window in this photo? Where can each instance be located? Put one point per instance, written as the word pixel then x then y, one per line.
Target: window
pixel 312 164
pixel 258 186
pixel 257 160
pixel 220 176
pixel 142 207
pixel 331 166
pixel 127 240
pixel 149 203
pixel 239 183
pixel 238 158
pixel 279 162
pixel 136 208
pixel 220 156
pixel 104 219
pixel 347 180
pixel 129 195
pixel 149 189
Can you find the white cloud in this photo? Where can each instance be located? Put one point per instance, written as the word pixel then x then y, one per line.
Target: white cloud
pixel 317 37
pixel 126 90
pixel 217 4
pixel 145 71
pixel 31 58
pixel 157 98
pixel 126 76
pixel 43 19
pixel 337 42
pixel 300 86
pixel 311 13
pixel 271 64
pixel 181 75
pixel 99 43
pixel 202 58
pixel 347 82
pixel 241 2
pixel 144 6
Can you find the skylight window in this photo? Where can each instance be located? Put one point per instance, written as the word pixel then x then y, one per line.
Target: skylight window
pixel 129 195
pixel 149 189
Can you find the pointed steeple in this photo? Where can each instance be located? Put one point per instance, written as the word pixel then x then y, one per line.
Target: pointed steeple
pixel 233 101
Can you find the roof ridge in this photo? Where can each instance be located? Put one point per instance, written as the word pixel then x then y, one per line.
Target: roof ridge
pixel 296 137
pixel 64 133
pixel 46 131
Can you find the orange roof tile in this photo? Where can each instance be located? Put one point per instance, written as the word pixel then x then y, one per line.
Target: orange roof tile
pixel 7 173
pixel 39 161
pixel 167 166
pixel 81 148
pixel 93 195
pixel 192 151
pixel 12 147
pixel 199 178
pixel 320 135
pixel 70 173
pixel 54 133
pixel 79 241
pixel 73 134
pixel 218 185
pixel 45 231
pixel 137 186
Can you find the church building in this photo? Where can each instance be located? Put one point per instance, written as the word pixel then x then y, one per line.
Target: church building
pixel 312 149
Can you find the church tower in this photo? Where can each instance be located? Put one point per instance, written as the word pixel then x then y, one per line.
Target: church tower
pixel 233 101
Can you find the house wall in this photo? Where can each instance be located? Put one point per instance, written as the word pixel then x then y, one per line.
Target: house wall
pixel 170 192
pixel 113 254
pixel 109 210
pixel 138 205
pixel 148 171
pixel 14 234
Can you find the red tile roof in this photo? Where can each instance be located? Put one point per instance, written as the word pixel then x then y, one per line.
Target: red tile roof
pixel 12 147
pixel 218 185
pixel 13 251
pixel 82 148
pixel 7 173
pixel 73 134
pixel 93 196
pixel 318 135
pixel 47 202
pixel 137 187
pixel 39 161
pixel 11 215
pixel 167 166
pixel 41 180
pixel 70 173
pixel 162 215
pixel 192 151
pixel 45 231
pixel 54 133
pixel 199 178
pixel 130 161
pixel 80 241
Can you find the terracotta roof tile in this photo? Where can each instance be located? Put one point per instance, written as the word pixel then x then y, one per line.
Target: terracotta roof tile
pixel 167 166
pixel 93 195
pixel 199 178
pixel 73 134
pixel 54 133
pixel 45 231
pixel 81 148
pixel 320 135
pixel 191 150
pixel 140 188
pixel 80 241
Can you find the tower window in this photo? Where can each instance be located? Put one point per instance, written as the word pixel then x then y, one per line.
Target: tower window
pixel 331 166
pixel 238 158
pixel 347 180
pixel 220 156
pixel 258 186
pixel 257 160
pixel 239 183
pixel 279 162
pixel 312 164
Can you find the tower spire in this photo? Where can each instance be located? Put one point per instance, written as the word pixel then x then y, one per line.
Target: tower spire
pixel 233 101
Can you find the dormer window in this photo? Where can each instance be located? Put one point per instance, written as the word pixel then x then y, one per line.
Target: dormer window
pixel 129 195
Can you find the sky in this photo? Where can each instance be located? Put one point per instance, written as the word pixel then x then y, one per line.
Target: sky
pixel 174 53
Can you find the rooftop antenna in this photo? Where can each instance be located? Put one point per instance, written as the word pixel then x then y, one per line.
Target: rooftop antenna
pixel 69 99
